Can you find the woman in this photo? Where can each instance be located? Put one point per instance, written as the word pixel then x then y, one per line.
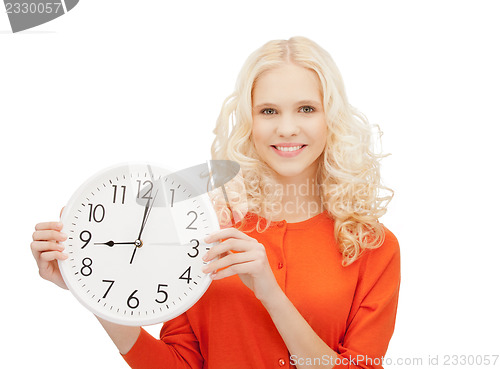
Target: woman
pixel 308 276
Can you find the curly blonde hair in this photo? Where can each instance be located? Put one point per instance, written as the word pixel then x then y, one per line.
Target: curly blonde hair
pixel 348 172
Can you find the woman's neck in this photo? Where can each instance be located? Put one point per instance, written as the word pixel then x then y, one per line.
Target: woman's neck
pixel 301 199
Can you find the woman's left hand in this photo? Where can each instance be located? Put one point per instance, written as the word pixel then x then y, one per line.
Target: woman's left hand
pixel 243 255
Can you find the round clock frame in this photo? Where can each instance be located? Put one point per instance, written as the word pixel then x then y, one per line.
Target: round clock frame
pixel 135 244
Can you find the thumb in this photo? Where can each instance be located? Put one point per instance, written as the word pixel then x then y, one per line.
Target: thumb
pixel 61 212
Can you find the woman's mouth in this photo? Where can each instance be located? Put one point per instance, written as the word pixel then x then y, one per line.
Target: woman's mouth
pixel 288 151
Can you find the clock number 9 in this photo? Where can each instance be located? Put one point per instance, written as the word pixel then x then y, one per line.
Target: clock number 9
pixel 86 239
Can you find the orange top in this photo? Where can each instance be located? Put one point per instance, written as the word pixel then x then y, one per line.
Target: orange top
pixel 352 309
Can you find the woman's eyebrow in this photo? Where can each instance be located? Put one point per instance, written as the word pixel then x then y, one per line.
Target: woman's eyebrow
pixel 301 102
pixel 264 105
pixel 308 102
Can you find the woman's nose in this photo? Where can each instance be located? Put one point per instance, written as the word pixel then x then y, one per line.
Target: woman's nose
pixel 287 126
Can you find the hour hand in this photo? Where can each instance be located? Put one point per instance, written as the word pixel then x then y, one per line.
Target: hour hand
pixel 112 243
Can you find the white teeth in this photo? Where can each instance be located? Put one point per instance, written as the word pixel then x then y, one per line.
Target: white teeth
pixel 292 148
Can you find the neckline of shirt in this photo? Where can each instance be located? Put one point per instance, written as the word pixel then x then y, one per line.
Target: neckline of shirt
pixel 294 225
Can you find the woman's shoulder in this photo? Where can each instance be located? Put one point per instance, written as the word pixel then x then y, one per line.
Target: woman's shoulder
pixel 387 252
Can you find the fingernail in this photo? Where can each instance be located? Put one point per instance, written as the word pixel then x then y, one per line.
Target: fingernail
pixel 64 235
pixel 205 257
pixel 207 239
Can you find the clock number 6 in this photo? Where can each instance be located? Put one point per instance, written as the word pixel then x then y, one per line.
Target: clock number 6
pixel 133 300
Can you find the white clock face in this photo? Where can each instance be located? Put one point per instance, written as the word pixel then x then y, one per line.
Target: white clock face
pixel 135 244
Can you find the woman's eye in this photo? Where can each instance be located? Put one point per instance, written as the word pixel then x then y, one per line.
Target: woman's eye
pixel 307 109
pixel 268 111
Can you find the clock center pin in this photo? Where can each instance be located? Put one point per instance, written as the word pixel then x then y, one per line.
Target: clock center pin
pixel 138 243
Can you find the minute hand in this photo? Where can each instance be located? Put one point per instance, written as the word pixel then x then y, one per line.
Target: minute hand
pixel 147 210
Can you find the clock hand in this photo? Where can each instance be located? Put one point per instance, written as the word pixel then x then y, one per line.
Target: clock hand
pixel 145 217
pixel 112 243
pixel 133 254
pixel 147 210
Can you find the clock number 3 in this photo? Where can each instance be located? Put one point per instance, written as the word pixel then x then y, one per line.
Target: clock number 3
pixel 195 248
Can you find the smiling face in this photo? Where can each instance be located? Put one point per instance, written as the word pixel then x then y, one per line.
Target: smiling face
pixel 289 125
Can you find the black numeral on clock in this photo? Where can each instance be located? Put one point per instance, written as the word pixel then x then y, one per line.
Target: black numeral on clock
pixel 115 190
pixel 194 220
pixel 165 294
pixel 186 275
pixel 147 194
pixel 111 285
pixel 195 248
pixel 85 236
pixel 86 270
pixel 132 301
pixel 96 213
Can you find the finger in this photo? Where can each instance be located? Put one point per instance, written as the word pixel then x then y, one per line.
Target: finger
pixel 42 246
pixel 60 214
pixel 52 255
pixel 230 259
pixel 243 268
pixel 231 244
pixel 228 233
pixel 49 226
pixel 46 235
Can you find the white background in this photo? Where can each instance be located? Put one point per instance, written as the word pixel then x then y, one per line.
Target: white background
pixel 120 80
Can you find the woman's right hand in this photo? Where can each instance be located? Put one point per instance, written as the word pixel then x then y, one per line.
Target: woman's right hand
pixel 47 249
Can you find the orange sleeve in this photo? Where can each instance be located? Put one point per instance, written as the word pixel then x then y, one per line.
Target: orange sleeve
pixel 373 316
pixel 177 348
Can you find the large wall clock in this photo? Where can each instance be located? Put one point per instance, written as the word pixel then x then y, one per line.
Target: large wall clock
pixel 135 243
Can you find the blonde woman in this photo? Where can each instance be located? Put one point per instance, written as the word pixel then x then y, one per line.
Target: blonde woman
pixel 305 274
